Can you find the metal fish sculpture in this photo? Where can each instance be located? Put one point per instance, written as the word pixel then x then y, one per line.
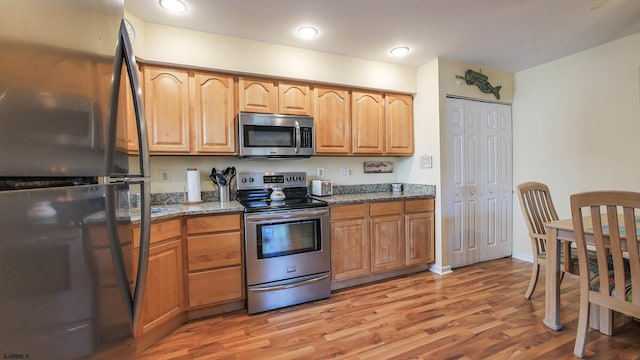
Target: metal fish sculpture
pixel 482 81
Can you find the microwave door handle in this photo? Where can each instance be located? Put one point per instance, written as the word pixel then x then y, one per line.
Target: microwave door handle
pixel 136 92
pixel 297 124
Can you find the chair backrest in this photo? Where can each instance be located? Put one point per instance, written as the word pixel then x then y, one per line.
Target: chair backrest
pixel 612 227
pixel 537 208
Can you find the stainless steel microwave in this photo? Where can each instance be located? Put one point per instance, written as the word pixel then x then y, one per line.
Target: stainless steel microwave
pixel 275 136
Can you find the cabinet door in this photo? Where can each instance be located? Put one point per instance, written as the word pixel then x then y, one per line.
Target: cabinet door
pixel 419 230
pixel 294 99
pixel 258 95
pixel 214 250
pixel 215 286
pixel 164 292
pixel 332 120
pixel 167 109
pixel 387 242
pixel 398 112
pixel 367 122
pixel 213 113
pixel 349 249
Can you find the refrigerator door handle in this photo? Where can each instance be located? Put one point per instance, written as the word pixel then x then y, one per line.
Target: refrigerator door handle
pixel 143 257
pixel 124 53
pixel 136 300
pixel 136 92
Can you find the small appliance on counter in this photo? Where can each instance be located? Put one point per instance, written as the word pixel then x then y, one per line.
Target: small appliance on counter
pixel 321 187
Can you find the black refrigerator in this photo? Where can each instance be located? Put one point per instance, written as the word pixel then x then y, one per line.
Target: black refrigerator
pixel 68 289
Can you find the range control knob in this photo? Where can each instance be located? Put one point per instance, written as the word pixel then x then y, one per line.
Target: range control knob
pixel 251 180
pixel 244 180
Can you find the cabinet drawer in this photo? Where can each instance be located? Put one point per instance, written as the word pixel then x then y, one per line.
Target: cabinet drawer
pixel 212 223
pixel 214 250
pixel 339 212
pixel 215 286
pixel 419 205
pixel 386 208
pixel 159 232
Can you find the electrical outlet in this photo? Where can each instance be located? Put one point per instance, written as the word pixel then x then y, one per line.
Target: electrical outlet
pixel 164 175
pixel 320 171
pixel 343 171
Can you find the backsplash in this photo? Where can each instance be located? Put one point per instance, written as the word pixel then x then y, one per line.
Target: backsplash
pixel 211 196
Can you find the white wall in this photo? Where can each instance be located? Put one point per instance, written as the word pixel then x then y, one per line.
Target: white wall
pixel 172 45
pixel 577 126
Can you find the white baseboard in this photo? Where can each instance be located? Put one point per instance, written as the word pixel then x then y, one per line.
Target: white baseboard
pixel 440 270
pixel 522 256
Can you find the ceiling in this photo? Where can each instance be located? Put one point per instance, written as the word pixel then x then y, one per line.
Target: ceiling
pixel 509 35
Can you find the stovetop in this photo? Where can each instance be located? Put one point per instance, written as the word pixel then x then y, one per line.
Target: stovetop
pixel 286 204
pixel 254 190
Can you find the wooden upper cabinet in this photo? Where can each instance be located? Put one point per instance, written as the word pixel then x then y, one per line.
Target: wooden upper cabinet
pixel 294 98
pixel 213 113
pixel 398 112
pixel 367 122
pixel 332 120
pixel 167 109
pixel 258 95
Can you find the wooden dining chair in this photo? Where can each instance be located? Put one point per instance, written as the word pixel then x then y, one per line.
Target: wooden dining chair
pixel 537 208
pixel 613 231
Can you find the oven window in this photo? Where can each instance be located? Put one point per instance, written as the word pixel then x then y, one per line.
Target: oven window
pixel 288 238
pixel 268 136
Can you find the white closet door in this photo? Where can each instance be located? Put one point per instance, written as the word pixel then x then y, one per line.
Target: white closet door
pixel 477 183
pixel 505 178
pixel 462 210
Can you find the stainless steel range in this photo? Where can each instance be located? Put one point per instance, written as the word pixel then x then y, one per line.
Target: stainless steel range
pixel 287 243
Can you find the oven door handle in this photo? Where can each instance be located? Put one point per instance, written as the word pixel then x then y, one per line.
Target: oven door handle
pixel 280 216
pixel 289 286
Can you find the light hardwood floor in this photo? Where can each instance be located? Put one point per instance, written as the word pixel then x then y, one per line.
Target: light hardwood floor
pixel 477 312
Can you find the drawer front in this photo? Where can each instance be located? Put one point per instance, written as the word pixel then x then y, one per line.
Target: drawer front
pixel 215 286
pixel 340 212
pixel 214 250
pixel 212 223
pixel 159 232
pixel 419 205
pixel 387 208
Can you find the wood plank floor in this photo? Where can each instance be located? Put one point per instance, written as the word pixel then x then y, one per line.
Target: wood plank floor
pixel 478 312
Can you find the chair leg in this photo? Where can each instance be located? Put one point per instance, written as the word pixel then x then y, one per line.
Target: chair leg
pixel 534 280
pixel 583 326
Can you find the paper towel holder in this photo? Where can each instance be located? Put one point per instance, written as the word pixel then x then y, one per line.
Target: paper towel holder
pixel 186 197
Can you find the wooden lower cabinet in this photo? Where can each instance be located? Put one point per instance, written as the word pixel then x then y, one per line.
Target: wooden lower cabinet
pixel 387 236
pixel 420 231
pixel 215 262
pixel 349 241
pixel 164 291
pixel 371 242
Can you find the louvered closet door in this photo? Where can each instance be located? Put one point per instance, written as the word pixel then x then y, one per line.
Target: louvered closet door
pixel 477 188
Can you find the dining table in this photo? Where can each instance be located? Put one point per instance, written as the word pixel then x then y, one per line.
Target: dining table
pixel 558 231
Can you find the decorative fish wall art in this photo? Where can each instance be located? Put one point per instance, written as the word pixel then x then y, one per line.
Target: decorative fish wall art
pixel 482 81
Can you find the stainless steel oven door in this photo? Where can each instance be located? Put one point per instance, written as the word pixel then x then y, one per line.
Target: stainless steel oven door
pixel 286 244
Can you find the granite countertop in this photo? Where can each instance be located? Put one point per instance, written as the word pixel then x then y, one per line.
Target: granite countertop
pixel 377 196
pixel 161 212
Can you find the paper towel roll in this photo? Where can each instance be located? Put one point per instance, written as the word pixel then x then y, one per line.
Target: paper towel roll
pixel 193 185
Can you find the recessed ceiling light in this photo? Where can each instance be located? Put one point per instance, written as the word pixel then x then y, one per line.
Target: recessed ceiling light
pixel 174 6
pixel 400 51
pixel 307 32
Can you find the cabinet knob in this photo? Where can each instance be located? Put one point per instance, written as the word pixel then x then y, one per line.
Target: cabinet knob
pixel 473 192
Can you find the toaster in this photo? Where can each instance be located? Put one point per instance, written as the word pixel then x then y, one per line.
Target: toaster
pixel 321 187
